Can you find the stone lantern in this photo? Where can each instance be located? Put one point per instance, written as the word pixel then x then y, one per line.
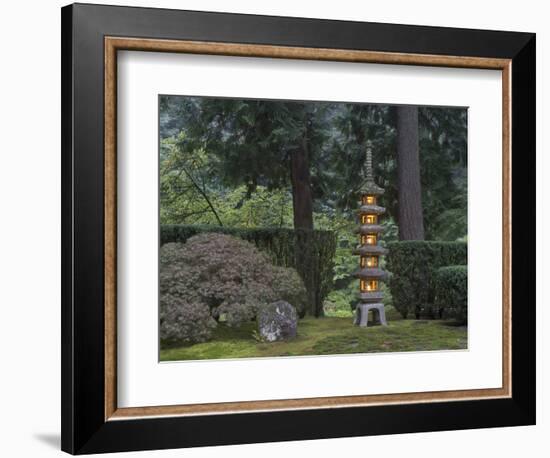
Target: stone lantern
pixel 370 274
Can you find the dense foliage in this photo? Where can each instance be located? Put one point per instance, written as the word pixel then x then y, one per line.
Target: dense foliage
pixel 216 276
pixel 311 253
pixel 226 161
pixel 412 265
pixel 451 292
pixel 182 320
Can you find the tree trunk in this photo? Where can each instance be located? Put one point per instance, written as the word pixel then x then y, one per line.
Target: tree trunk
pixel 302 204
pixel 410 219
pixel 302 201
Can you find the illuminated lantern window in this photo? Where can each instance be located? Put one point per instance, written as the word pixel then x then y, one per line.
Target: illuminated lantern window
pixel 371 261
pixel 369 285
pixel 369 200
pixel 368 219
pixel 369 239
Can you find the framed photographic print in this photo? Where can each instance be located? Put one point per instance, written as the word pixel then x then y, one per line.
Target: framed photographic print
pixel 281 228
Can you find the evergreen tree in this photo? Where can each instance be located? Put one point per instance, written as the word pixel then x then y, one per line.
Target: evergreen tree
pixel 410 217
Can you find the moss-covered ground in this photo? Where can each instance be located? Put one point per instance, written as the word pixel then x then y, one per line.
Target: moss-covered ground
pixel 325 336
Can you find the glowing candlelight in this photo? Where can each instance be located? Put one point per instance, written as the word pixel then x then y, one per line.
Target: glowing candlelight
pixel 372 261
pixel 371 219
pixel 369 200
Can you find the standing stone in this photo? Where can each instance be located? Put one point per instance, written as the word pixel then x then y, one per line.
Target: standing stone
pixel 277 321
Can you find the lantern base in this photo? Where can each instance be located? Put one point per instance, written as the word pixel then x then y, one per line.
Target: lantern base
pixel 370 297
pixel 362 314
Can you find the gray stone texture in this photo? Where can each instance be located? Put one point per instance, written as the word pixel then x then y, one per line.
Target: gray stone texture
pixel 362 314
pixel 277 321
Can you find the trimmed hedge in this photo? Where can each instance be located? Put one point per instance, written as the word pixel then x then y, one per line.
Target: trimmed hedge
pixel 451 292
pixel 412 265
pixel 311 253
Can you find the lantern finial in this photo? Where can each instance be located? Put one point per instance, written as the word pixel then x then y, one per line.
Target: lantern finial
pixel 369 185
pixel 369 176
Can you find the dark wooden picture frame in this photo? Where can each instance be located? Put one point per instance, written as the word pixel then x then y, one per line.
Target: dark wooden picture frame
pixel 91 37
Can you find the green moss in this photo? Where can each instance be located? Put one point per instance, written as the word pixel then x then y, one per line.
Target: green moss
pixel 325 336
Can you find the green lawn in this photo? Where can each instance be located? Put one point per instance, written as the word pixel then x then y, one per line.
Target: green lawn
pixel 326 336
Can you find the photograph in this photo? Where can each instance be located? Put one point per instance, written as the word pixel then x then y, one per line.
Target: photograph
pixel 293 228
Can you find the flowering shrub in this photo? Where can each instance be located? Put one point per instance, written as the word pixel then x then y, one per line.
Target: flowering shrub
pixel 214 275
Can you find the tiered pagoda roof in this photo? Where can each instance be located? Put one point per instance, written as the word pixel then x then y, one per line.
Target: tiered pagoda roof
pixel 369 186
pixel 372 209
pixel 369 229
pixel 371 272
pixel 365 250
